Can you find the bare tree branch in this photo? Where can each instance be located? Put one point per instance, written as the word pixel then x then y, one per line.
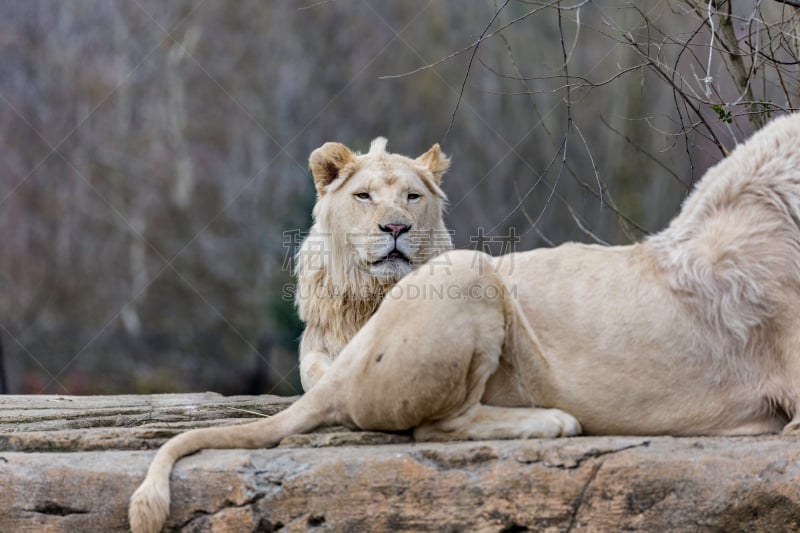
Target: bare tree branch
pixel 473 45
pixel 469 67
pixel 740 74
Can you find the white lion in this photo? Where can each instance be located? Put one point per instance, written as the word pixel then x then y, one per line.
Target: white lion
pixel 694 331
pixel 377 216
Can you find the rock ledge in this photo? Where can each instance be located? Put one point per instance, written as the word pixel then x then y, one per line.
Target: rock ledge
pixel 71 463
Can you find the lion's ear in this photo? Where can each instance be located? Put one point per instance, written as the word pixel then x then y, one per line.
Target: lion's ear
pixel 326 162
pixel 436 161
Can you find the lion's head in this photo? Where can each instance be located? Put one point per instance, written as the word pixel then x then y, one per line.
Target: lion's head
pixel 378 216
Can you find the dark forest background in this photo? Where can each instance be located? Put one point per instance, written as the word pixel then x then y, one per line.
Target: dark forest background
pixel 153 155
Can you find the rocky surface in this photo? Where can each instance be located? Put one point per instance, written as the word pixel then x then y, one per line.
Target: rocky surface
pixel 70 464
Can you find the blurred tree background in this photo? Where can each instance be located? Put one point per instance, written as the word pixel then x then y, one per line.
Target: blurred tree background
pixel 153 174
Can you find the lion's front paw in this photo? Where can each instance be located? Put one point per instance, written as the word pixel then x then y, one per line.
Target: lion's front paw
pixel 792 428
pixel 548 424
pixel 566 424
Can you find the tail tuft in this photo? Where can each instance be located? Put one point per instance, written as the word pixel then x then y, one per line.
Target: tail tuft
pixel 149 507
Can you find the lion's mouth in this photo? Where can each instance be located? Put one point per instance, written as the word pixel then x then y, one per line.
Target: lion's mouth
pixel 394 255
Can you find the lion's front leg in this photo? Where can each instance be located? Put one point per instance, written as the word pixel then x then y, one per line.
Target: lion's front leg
pixel 313 365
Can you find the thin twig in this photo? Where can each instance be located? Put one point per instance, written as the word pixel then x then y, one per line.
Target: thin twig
pixel 583 228
pixel 594 165
pixel 469 67
pixel 315 4
pixel 469 47
pixel 524 83
pixel 584 81
pixel 256 413
pixel 710 18
pixel 531 189
pixel 645 153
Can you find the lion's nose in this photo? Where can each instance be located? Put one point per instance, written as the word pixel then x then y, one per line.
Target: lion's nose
pixel 395 229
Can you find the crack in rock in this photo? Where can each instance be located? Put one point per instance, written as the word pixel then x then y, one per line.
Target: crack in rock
pixel 199 514
pixel 582 496
pixel 556 458
pixel 56 509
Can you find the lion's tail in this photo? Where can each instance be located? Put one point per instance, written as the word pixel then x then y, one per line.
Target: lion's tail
pixel 149 505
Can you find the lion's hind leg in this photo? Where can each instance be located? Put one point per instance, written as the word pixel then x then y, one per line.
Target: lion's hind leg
pixel 487 422
pixel 425 358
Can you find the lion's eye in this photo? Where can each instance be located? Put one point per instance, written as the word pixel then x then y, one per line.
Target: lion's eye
pixel 362 195
pixel 414 196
